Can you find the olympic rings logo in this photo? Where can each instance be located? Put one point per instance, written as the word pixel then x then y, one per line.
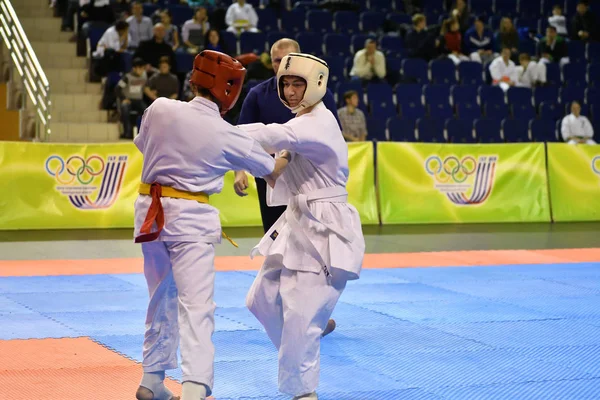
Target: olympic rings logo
pixel 76 167
pixel 596 165
pixel 450 168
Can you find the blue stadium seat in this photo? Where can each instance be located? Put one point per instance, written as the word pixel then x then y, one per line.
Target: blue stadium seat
pixel 523 111
pixel 305 6
pixel 229 39
pixel 529 8
pixel 569 7
pixel 526 22
pixel 183 61
pixel 149 9
pixel 494 22
pixel 463 94
pixel 576 49
pixel 440 111
pixel 95 33
pixel 272 37
pixel 346 22
pixel 568 94
pixel 292 22
pixel 431 130
pixel 267 20
pixel 527 46
pixel 376 129
pixel 506 8
pixel 497 111
pixel 543 25
pixel 381 100
pixel 381 5
pixel 490 94
pixel 310 42
pixel 337 44
pixel 180 13
pixel 470 73
pixel 550 111
pixel 400 18
pixel 459 131
pixel 433 6
pixel 553 74
pixel 548 94
pixel 436 94
pixel 372 21
pixel 393 67
pixel 468 111
pixel 409 93
pixel 542 130
pixel 319 21
pixel 401 129
pixel 488 131
pixel 593 52
pixel 414 70
pixel 413 110
pixel 252 42
pixel 574 74
pixel 336 70
pixel 592 95
pixel 595 112
pixel 519 95
pixel 443 71
pixel 344 87
pixel 358 41
pixel 515 130
pixel 593 75
pixel 391 44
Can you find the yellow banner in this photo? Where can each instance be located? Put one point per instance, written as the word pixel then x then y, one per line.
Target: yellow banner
pixel 72 186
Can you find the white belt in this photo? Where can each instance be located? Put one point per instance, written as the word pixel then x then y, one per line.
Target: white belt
pixel 334 194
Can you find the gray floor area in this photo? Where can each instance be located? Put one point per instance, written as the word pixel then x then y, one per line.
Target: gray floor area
pixel 118 243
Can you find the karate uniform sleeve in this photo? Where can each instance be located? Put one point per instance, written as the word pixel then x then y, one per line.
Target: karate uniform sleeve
pixel 329 102
pixel 245 154
pixel 273 137
pixel 564 129
pixel 249 113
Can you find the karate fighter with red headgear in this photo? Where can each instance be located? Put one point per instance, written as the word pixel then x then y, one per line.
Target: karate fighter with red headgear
pixel 187 149
pixel 317 245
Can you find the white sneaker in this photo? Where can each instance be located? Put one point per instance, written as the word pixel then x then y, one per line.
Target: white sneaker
pixel 309 396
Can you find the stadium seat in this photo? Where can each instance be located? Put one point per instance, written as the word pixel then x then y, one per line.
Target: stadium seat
pixel 494 22
pixel 400 19
pixel 376 129
pixel 414 70
pixel 515 130
pixel 526 22
pixel 358 41
pixel 593 75
pixel 523 111
pixel 542 130
pixel 180 13
pixel 391 44
pixel 252 42
pixel 380 100
pixel 409 93
pixel 459 131
pixel 506 8
pixel 443 71
pixel 568 94
pixel 372 21
pixel 272 37
pixel 310 42
pixel 412 110
pixel 183 62
pixel 337 44
pixel 550 111
pixel 319 21
pixel 292 22
pixel 592 95
pixel 470 73
pixel 575 74
pixel 576 49
pixel 267 20
pixel 488 131
pixel 436 94
pixel 490 94
pixel 381 5
pixel 548 94
pixel 593 52
pixel 519 95
pixel 336 70
pixel 346 22
pixel 529 8
pixel 305 6
pixel 230 40
pixel 468 111
pixel 401 129
pixel 553 74
pixel 463 94
pixel 440 111
pixel 497 111
pixel 431 130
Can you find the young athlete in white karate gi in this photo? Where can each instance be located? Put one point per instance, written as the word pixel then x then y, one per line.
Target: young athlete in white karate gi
pixel 187 149
pixel 317 245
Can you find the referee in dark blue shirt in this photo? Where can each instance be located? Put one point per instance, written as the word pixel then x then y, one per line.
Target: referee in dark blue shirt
pixel 263 105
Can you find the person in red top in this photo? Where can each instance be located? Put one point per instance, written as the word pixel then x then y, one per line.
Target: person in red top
pixel 453 40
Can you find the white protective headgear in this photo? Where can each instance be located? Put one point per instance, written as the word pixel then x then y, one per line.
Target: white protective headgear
pixel 310 68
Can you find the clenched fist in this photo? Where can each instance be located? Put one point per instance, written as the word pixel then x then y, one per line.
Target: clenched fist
pixel 241 183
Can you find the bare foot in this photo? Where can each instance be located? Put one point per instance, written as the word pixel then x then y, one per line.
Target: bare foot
pixel 146 394
pixel 329 328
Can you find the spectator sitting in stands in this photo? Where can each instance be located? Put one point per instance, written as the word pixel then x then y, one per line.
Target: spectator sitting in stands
pixel 584 23
pixel 419 42
pixel 140 26
pixel 461 13
pixel 369 63
pixel 529 73
pixel 130 92
pixel 213 42
pixel 508 36
pixel 115 38
pixel 479 42
pixel 576 128
pixel 163 84
pixel 96 11
pixel 171 33
pixel 154 49
pixel 187 93
pixel 453 40
pixel 558 20
pixel 241 17
pixel 354 124
pixel 194 31
pixel 121 9
pixel 503 70
pixel 553 48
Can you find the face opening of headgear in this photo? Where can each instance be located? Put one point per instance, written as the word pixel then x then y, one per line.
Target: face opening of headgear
pixel 221 75
pixel 310 68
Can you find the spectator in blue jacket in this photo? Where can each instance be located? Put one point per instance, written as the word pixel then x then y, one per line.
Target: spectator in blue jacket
pixel 479 42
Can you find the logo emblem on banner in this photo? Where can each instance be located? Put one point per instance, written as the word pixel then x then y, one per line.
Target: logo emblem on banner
pixel 465 181
pixel 596 165
pixel 90 183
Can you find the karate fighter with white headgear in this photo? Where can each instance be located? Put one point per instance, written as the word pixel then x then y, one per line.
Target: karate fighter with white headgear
pixel 187 149
pixel 317 245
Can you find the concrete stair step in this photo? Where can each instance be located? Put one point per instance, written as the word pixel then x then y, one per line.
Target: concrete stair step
pixel 99 116
pixel 55 49
pixel 84 132
pixel 75 102
pixel 33 12
pixel 40 24
pixel 52 61
pixel 76 88
pixel 55 36
pixel 64 76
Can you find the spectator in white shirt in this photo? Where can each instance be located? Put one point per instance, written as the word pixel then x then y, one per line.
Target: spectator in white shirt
pixel 369 63
pixel 503 70
pixel 530 73
pixel 140 26
pixel 194 30
pixel 241 17
pixel 576 128
pixel 114 38
pixel 558 20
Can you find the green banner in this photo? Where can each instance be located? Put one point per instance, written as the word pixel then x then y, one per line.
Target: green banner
pixel 574 174
pixel 69 186
pixel 453 183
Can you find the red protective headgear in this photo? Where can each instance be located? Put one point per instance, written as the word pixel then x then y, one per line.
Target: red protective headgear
pixel 220 74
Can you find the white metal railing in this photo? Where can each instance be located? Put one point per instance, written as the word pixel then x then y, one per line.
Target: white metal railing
pixel 28 66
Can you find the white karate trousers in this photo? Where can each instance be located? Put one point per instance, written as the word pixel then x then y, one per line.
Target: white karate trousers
pixel 180 277
pixel 294 307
